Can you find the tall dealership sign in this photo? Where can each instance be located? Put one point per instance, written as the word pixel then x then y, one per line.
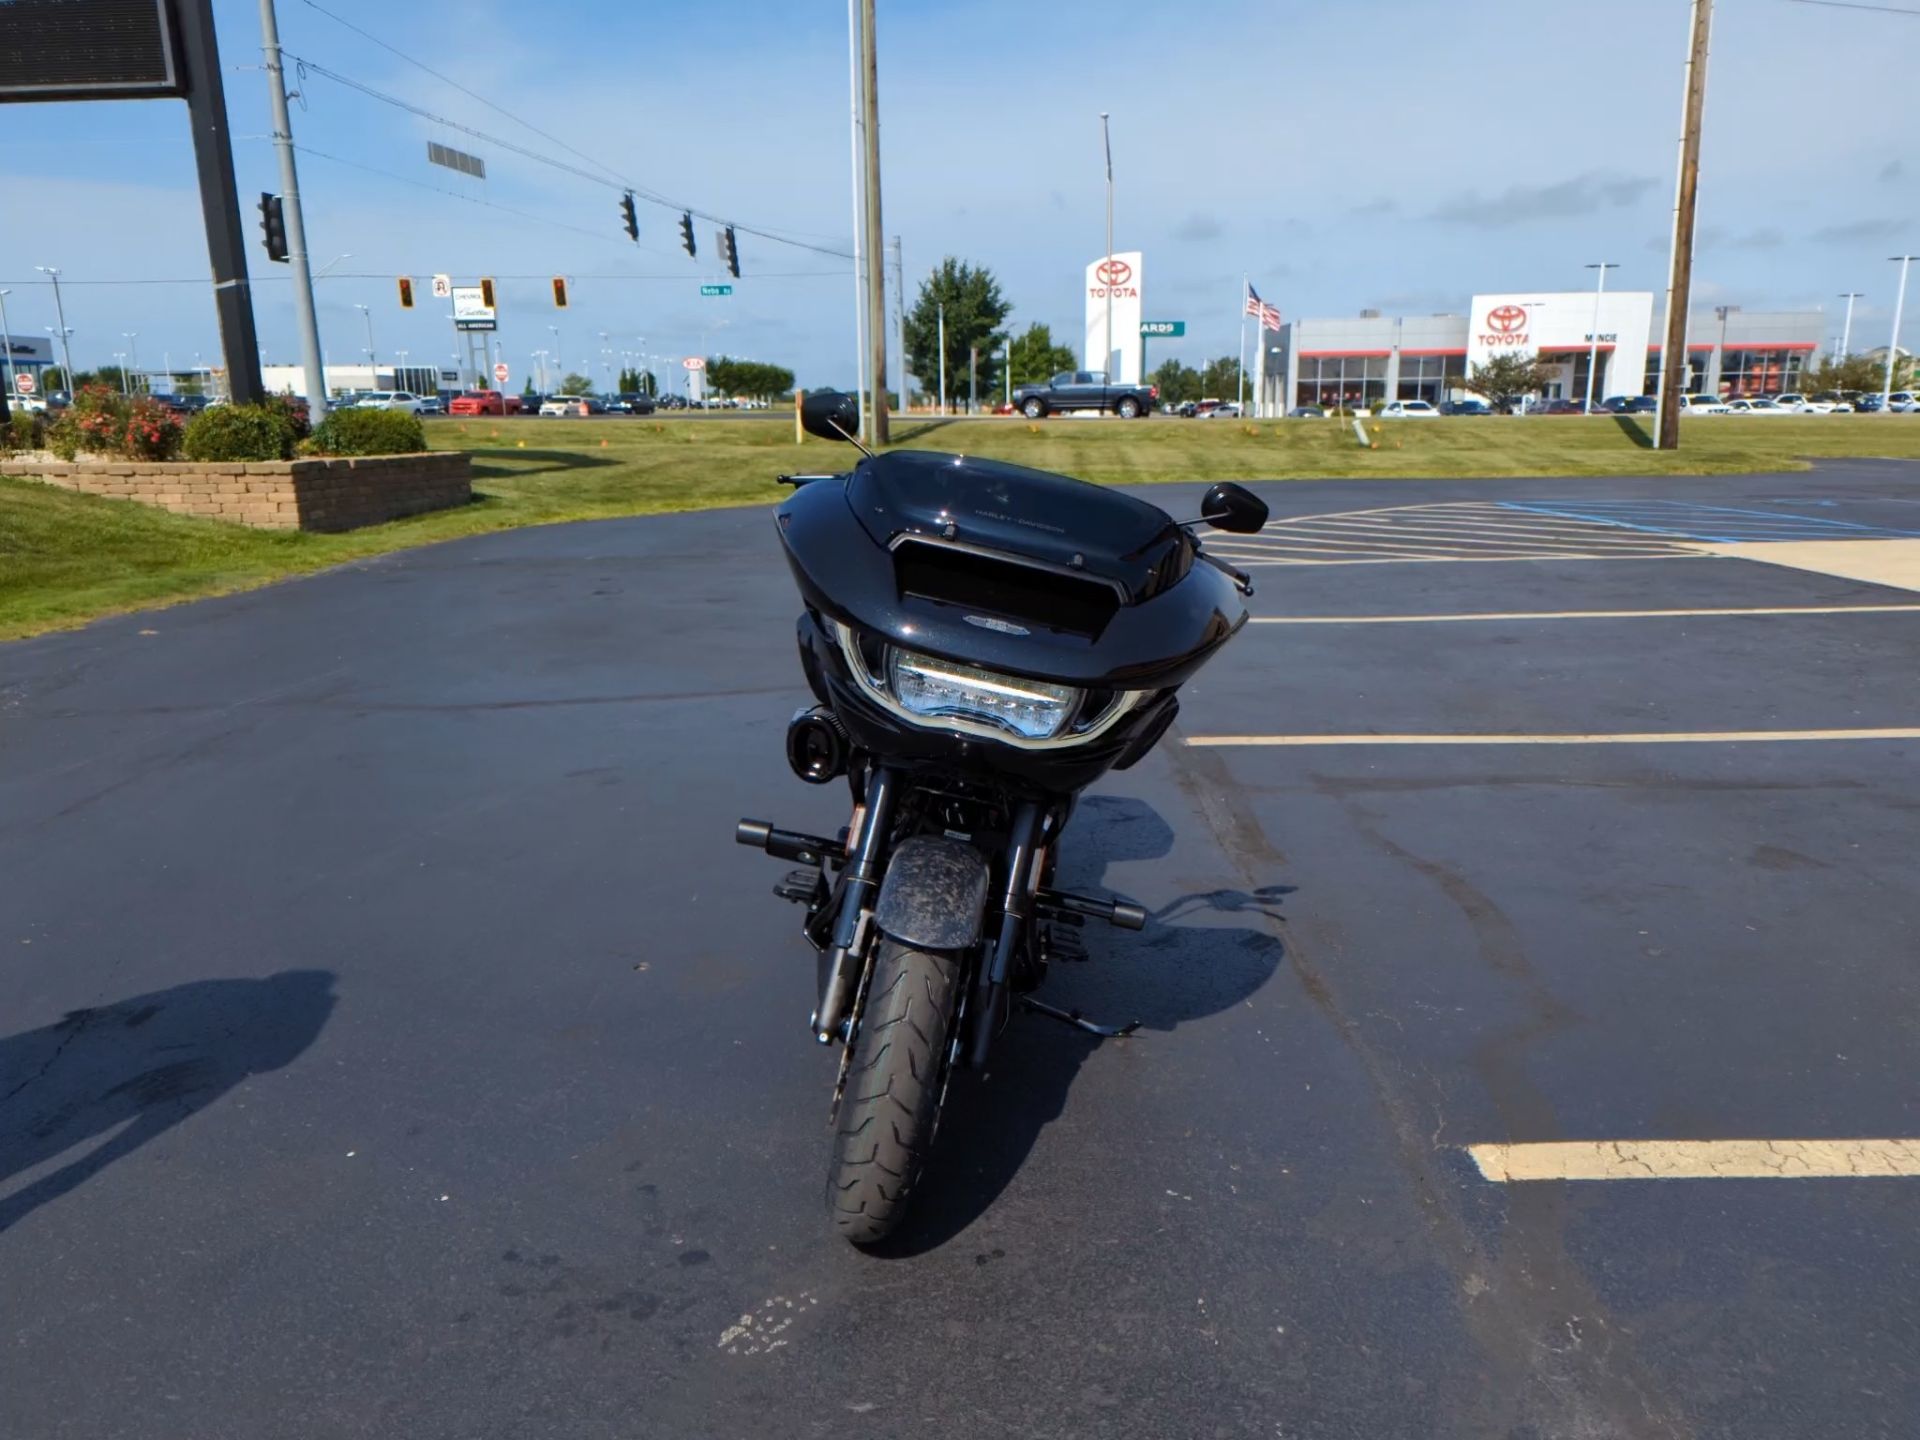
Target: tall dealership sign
pixel 141 49
pixel 1114 280
pixel 1566 326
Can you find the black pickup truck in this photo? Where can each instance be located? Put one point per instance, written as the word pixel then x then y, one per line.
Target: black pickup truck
pixel 1084 390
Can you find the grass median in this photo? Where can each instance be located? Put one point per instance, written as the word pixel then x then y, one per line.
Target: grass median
pixel 66 558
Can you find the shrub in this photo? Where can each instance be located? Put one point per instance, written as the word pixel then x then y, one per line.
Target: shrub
pixel 150 432
pixel 240 432
pixel 24 430
pixel 96 422
pixel 295 411
pixel 369 432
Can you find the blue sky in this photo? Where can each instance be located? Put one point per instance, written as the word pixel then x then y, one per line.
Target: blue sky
pixel 1375 153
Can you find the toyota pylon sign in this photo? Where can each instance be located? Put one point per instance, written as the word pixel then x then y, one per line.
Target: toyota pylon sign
pixel 1114 278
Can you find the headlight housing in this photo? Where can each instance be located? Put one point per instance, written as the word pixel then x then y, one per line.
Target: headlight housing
pixel 946 690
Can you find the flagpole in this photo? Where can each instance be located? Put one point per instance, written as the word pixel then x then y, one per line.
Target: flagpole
pixel 1246 290
pixel 1260 367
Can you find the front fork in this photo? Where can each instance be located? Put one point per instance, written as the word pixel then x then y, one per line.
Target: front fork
pixel 853 925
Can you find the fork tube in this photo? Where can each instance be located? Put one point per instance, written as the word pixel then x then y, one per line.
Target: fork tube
pixel 865 866
pixel 1022 838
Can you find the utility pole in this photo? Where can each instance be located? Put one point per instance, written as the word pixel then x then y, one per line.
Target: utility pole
pixel 1673 356
pixel 941 311
pixel 1106 264
pixel 1893 345
pixel 1846 331
pixel 876 272
pixel 855 128
pixel 1593 338
pixel 66 335
pixel 303 307
pixel 6 343
pixel 900 321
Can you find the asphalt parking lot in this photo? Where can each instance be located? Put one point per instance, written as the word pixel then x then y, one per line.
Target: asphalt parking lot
pixel 394 1042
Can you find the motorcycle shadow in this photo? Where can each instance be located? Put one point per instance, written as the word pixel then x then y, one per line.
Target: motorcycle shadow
pixel 1183 967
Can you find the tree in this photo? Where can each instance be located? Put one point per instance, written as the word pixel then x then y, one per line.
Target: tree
pixel 527 389
pixel 1221 379
pixel 748 379
pixel 576 385
pixel 1507 377
pixel 629 383
pixel 1178 383
pixel 1855 373
pixel 1034 358
pixel 974 309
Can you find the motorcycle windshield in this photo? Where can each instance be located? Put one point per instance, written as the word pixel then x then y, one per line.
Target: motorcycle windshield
pixel 990 505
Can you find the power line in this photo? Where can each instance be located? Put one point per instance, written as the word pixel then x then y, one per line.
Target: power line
pixel 1858 5
pixel 620 181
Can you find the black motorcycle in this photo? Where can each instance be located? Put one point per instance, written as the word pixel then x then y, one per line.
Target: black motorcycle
pixel 985 641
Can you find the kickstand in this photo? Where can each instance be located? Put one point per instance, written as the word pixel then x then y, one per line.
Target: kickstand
pixel 1078 1021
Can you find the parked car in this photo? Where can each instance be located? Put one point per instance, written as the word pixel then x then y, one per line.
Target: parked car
pixel 1630 404
pixel 632 402
pixel 1902 402
pixel 1799 404
pixel 1220 410
pixel 1466 407
pixel 1836 402
pixel 1306 412
pixel 1702 405
pixel 579 406
pixel 478 402
pixel 389 400
pixel 183 406
pixel 1756 405
pixel 1559 407
pixel 1084 390
pixel 431 405
pixel 1868 404
pixel 1407 410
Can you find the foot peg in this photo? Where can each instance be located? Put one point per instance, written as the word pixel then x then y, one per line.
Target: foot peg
pixel 789 844
pixel 803 887
pixel 1114 912
pixel 1078 1021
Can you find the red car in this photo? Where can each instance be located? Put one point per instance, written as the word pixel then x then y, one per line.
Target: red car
pixel 484 402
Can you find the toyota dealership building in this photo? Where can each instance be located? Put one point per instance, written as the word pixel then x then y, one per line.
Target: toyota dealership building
pixel 1360 362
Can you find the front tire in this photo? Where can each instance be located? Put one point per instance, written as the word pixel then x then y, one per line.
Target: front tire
pixel 894 1088
pixel 1035 409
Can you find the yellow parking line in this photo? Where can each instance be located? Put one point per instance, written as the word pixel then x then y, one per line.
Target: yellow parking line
pixel 1697 1160
pixel 1575 615
pixel 1650 737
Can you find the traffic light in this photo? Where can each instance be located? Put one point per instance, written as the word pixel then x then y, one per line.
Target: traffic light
pixel 406 292
pixel 686 231
pixel 628 217
pixel 486 292
pixel 559 292
pixel 729 252
pixel 273 226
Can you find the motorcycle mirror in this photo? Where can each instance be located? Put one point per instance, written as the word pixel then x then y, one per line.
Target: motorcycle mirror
pixel 1235 509
pixel 832 415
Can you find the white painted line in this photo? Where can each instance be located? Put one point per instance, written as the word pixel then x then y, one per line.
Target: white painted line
pixel 1577 615
pixel 1652 737
pixel 1697 1160
pixel 1480 559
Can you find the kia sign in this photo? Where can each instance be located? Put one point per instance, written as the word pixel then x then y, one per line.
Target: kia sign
pixel 1559 329
pixel 694 362
pixel 87 50
pixel 1115 280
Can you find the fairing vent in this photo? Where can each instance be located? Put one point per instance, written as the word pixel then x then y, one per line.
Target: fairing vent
pixel 996 585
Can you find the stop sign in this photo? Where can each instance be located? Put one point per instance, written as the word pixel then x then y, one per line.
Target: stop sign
pixel 500 372
pixel 23 382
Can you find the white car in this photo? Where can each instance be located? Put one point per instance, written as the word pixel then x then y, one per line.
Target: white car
pixel 1903 402
pixel 1702 405
pixel 389 400
pixel 1800 405
pixel 1406 410
pixel 1757 406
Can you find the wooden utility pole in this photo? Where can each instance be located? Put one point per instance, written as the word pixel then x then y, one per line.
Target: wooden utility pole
pixel 876 269
pixel 1675 365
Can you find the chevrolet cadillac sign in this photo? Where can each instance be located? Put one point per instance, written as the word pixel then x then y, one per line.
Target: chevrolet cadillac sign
pixel 88 50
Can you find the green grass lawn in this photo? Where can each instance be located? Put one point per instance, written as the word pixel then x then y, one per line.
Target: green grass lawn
pixel 66 558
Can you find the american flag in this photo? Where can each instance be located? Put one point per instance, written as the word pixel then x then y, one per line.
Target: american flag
pixel 1269 317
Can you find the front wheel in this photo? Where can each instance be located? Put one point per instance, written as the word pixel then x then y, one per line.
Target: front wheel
pixel 1035 408
pixel 895 1083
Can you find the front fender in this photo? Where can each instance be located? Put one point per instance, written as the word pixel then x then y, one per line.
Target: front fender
pixel 935 894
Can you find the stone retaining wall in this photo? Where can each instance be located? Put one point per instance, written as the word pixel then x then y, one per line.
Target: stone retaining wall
pixel 341 494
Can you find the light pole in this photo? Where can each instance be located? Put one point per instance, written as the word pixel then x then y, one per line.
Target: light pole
pixel 373 366
pixel 1720 354
pixel 120 359
pixel 1846 331
pixel 559 363
pixel 1893 345
pixel 6 342
pixel 312 358
pixel 132 337
pixel 1106 266
pixel 60 313
pixel 1593 337
pixel 942 311
pixel 64 335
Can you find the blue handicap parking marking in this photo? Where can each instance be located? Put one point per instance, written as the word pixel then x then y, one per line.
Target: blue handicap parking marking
pixel 1715 524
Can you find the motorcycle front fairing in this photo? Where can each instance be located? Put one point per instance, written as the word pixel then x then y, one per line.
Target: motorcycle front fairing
pixel 1010 569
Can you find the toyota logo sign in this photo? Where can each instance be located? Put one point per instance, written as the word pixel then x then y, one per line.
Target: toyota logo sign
pixel 1505 319
pixel 1113 272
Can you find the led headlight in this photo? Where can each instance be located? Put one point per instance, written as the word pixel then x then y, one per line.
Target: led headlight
pixel 944 690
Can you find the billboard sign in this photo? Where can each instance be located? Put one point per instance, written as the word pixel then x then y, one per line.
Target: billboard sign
pixel 29 350
pixel 1561 326
pixel 1114 278
pixel 88 50
pixel 470 309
